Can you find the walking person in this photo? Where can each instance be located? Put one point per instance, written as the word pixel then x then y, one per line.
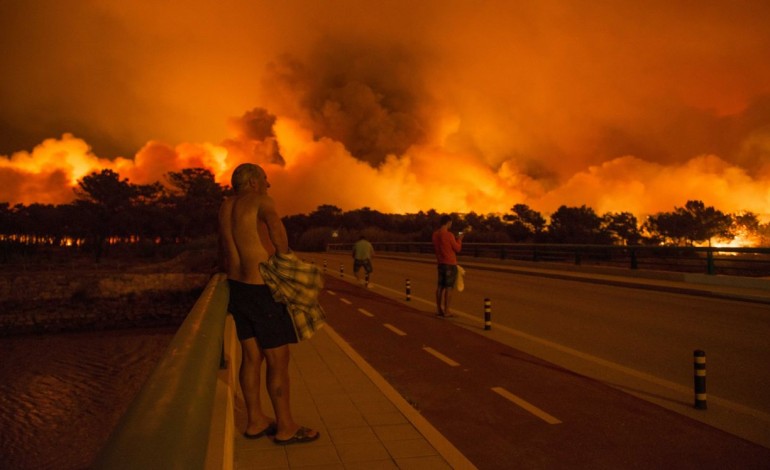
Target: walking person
pixel 263 325
pixel 446 247
pixel 363 252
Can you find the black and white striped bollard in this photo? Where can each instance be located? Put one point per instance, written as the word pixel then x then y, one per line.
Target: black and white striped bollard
pixel 342 270
pixel 700 379
pixel 324 266
pixel 487 314
pixel 408 290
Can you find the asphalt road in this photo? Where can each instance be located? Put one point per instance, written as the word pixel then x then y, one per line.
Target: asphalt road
pixel 638 340
pixel 503 408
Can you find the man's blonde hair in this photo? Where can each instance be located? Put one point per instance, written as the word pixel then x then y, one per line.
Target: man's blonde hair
pixel 242 174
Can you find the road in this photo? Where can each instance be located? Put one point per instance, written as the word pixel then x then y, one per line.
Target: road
pixel 638 340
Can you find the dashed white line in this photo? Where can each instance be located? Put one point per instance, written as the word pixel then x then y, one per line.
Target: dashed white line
pixel 394 329
pixel 441 356
pixel 526 405
pixel 331 292
pixel 345 301
pixel 365 312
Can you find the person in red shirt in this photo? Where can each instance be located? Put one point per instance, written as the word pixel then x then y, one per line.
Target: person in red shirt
pixel 446 246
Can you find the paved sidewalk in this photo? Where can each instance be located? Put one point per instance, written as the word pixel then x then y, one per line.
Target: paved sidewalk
pixel 364 423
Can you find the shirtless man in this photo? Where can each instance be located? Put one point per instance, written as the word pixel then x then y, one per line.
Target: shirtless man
pixel 264 327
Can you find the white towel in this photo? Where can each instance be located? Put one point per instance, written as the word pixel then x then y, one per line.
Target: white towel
pixel 459 283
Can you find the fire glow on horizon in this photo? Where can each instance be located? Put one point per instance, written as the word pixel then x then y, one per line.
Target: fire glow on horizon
pixel 540 103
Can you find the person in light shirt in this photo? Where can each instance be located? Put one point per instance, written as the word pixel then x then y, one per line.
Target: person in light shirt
pixel 363 252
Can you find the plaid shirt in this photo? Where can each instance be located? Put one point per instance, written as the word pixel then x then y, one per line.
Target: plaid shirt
pixel 296 284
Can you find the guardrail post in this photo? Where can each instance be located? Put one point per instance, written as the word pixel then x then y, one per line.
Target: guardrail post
pixel 634 262
pixel 487 314
pixel 710 262
pixel 408 290
pixel 578 259
pixel 700 379
pixel 342 270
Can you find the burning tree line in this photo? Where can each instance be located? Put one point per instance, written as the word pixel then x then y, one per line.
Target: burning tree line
pixel 109 210
pixel 695 223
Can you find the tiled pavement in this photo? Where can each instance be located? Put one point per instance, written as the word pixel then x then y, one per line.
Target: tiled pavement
pixel 364 423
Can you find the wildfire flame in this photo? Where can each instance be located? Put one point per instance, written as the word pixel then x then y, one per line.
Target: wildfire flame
pixel 321 171
pixel 397 107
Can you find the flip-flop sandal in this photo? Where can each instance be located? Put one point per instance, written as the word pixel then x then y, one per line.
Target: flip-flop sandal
pixel 300 437
pixel 270 430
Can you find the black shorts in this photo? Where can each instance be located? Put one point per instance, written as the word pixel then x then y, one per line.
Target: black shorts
pixel 447 275
pixel 258 316
pixel 362 263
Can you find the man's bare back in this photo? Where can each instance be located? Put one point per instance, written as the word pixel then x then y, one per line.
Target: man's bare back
pixel 244 220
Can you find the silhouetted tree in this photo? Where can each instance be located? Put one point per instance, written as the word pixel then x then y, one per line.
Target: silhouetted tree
pixel 352 220
pixel 526 224
pixel 763 234
pixel 296 225
pixel 667 228
pixel 707 222
pixel 425 223
pixel 484 228
pixel 691 224
pixel 622 227
pixel 105 200
pixel 494 223
pixel 746 222
pixel 326 215
pixel 576 225
pixel 365 217
pixel 472 220
pixel 194 198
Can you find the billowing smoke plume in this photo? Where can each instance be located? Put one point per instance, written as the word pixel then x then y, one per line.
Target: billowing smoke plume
pixel 368 97
pixel 402 107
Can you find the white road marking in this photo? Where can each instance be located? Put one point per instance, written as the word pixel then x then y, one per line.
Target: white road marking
pixel 526 405
pixel 365 312
pixel 345 301
pixel 331 292
pixel 441 356
pixel 394 329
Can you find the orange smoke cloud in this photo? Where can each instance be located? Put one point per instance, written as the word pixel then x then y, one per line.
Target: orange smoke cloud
pixel 322 171
pixel 398 106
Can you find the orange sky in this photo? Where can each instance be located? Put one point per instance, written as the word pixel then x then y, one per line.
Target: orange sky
pixel 399 106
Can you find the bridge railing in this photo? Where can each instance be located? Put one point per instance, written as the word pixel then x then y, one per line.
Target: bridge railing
pixel 174 422
pixel 739 261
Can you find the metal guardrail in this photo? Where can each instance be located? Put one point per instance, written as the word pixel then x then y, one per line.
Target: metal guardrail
pixel 754 262
pixel 168 424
